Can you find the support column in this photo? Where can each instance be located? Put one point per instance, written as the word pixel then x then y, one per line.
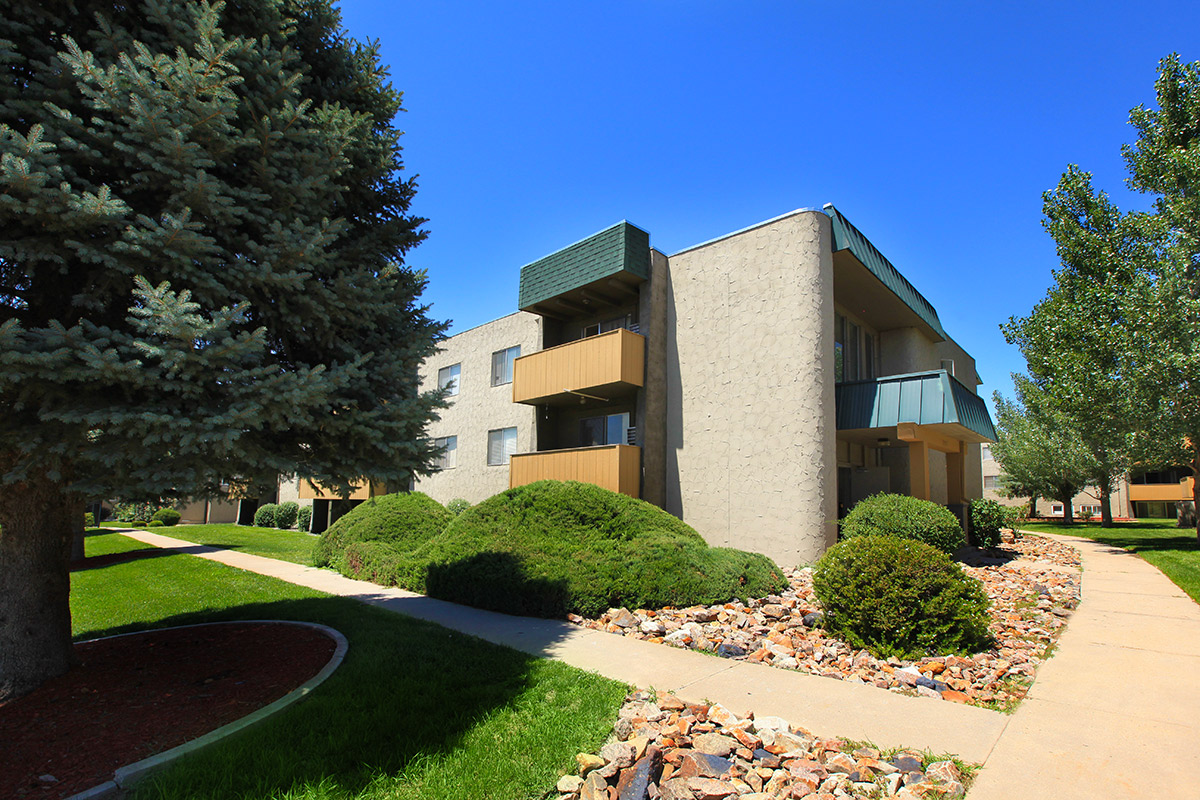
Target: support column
pixel 918 469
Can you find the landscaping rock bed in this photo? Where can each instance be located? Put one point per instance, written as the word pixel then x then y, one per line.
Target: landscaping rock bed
pixel 1032 582
pixel 669 750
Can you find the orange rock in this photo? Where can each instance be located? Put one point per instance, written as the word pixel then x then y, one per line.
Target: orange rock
pixel 955 697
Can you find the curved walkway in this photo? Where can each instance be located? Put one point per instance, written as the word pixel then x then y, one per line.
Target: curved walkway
pixel 1115 713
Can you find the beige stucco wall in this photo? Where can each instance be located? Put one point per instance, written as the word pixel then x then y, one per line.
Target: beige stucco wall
pixel 479 407
pixel 751 459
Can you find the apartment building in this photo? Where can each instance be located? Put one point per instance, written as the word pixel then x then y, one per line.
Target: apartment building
pixel 1143 494
pixel 756 385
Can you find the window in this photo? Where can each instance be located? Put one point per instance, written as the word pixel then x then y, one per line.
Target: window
pixel 986 452
pixel 595 329
pixel 853 351
pixel 502 444
pixel 991 481
pixel 449 457
pixel 609 429
pixel 502 365
pixel 1056 509
pixel 448 378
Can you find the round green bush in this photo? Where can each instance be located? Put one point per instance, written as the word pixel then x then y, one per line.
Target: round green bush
pixel 137 523
pixel 155 523
pixel 457 506
pixel 905 517
pixel 899 597
pixel 167 516
pixel 304 519
pixel 264 517
pixel 550 548
pixel 285 514
pixel 89 519
pixel 987 518
pixel 403 521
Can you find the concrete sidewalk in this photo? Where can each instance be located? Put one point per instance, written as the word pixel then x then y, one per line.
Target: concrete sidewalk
pixel 827 707
pixel 1116 711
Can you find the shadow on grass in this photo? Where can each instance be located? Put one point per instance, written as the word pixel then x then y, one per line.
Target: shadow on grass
pixel 407 691
pixel 499 582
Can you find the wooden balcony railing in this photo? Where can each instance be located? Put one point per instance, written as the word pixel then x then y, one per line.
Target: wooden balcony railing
pixel 606 366
pixel 614 466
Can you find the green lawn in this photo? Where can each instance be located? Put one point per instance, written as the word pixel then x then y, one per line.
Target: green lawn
pixel 291 546
pixel 415 710
pixel 1173 550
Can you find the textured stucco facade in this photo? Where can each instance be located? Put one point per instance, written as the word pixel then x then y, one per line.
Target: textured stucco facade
pixel 750 389
pixel 479 407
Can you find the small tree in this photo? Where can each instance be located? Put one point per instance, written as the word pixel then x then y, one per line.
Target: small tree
pixel 201 274
pixel 1037 448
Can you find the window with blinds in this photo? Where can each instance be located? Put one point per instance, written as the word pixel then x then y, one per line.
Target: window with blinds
pixel 609 429
pixel 448 379
pixel 449 457
pixel 502 365
pixel 502 444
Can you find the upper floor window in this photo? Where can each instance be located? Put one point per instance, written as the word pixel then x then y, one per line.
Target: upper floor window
pixel 853 351
pixel 502 365
pixel 449 457
pixel 448 378
pixel 597 328
pixel 502 443
pixel 986 452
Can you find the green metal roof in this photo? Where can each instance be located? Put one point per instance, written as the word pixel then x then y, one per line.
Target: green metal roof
pixel 926 398
pixel 848 237
pixel 621 248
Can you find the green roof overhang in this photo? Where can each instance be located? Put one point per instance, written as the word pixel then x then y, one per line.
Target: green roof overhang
pixel 847 237
pixel 923 398
pixel 603 269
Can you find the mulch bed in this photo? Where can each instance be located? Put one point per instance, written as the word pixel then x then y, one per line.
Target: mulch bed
pixel 134 696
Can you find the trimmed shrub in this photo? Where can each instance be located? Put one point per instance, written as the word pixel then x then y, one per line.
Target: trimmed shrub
pixel 264 517
pixel 907 518
pixel 551 548
pixel 899 597
pixel 304 519
pixel 987 518
pixel 155 523
pixel 285 514
pixel 457 506
pixel 167 516
pixel 403 521
pixel 137 523
pixel 89 519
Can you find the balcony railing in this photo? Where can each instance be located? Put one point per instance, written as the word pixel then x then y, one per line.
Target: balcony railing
pixel 597 367
pixel 1159 492
pixel 613 466
pixel 360 492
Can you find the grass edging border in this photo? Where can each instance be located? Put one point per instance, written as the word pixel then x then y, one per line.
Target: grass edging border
pixel 124 777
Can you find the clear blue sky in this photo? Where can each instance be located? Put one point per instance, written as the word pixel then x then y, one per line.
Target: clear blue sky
pixel 934 127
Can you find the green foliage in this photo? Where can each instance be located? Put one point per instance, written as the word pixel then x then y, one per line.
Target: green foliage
pixel 899 597
pixel 226 192
pixel 905 517
pixel 155 523
pixel 128 512
pixel 987 518
pixel 138 523
pixel 551 548
pixel 402 521
pixel 89 519
pixel 264 516
pixel 286 514
pixel 167 516
pixel 304 519
pixel 457 506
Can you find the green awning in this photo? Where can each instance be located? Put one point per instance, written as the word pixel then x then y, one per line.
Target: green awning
pixel 848 237
pixel 924 398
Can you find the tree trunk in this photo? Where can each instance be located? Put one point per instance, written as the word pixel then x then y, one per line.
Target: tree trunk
pixel 1068 509
pixel 35 584
pixel 1105 487
pixel 1033 507
pixel 77 510
pixel 1196 493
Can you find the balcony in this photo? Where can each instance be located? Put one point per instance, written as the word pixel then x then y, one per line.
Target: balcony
pixel 612 466
pixel 599 368
pixel 309 491
pixel 1161 492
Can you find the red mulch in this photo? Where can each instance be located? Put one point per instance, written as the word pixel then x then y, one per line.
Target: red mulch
pixel 134 696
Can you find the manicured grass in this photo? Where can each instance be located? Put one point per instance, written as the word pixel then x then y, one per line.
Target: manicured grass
pixel 291 546
pixel 1173 550
pixel 415 710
